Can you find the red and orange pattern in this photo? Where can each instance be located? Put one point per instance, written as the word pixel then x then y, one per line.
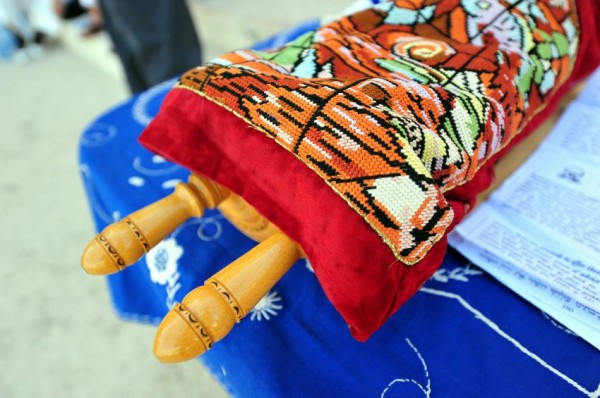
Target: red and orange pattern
pixel 394 105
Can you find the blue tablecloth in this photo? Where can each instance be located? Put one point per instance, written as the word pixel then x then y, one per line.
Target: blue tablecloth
pixel 462 335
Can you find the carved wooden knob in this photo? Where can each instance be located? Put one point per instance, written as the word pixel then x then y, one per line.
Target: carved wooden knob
pixel 124 242
pixel 208 313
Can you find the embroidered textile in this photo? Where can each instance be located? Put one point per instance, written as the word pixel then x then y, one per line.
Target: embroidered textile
pixel 399 103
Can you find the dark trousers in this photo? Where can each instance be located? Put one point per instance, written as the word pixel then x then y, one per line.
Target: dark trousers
pixel 155 40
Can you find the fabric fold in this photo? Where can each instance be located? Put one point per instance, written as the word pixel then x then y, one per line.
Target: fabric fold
pixel 367 140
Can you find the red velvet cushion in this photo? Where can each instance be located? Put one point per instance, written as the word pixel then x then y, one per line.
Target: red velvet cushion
pixel 359 274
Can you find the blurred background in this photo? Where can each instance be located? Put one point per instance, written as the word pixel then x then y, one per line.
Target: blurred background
pixel 59 336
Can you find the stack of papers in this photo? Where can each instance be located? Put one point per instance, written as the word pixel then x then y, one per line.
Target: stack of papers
pixel 539 233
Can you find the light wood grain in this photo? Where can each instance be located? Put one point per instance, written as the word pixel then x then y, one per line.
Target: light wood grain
pixel 208 313
pixel 123 243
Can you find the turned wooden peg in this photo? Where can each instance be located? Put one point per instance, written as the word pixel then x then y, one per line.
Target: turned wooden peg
pixel 124 242
pixel 209 312
pixel 246 219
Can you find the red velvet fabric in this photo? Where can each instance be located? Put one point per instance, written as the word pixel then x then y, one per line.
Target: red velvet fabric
pixel 357 271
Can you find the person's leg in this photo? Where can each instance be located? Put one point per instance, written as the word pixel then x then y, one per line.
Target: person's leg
pixel 155 41
pixel 96 23
pixel 180 49
pixel 43 19
pixel 13 16
pixel 114 24
pixel 9 13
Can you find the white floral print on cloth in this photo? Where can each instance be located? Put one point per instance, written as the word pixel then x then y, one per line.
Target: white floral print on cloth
pixel 162 260
pixel 268 306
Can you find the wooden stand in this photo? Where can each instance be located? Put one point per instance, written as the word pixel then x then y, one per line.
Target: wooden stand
pixel 246 219
pixel 208 313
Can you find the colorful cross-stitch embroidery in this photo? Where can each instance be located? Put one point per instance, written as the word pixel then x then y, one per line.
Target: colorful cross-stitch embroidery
pixel 399 103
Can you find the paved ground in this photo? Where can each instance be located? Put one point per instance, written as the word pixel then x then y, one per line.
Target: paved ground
pixel 58 334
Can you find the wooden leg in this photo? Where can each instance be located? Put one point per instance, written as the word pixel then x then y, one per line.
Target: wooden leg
pixel 124 242
pixel 208 313
pixel 246 219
